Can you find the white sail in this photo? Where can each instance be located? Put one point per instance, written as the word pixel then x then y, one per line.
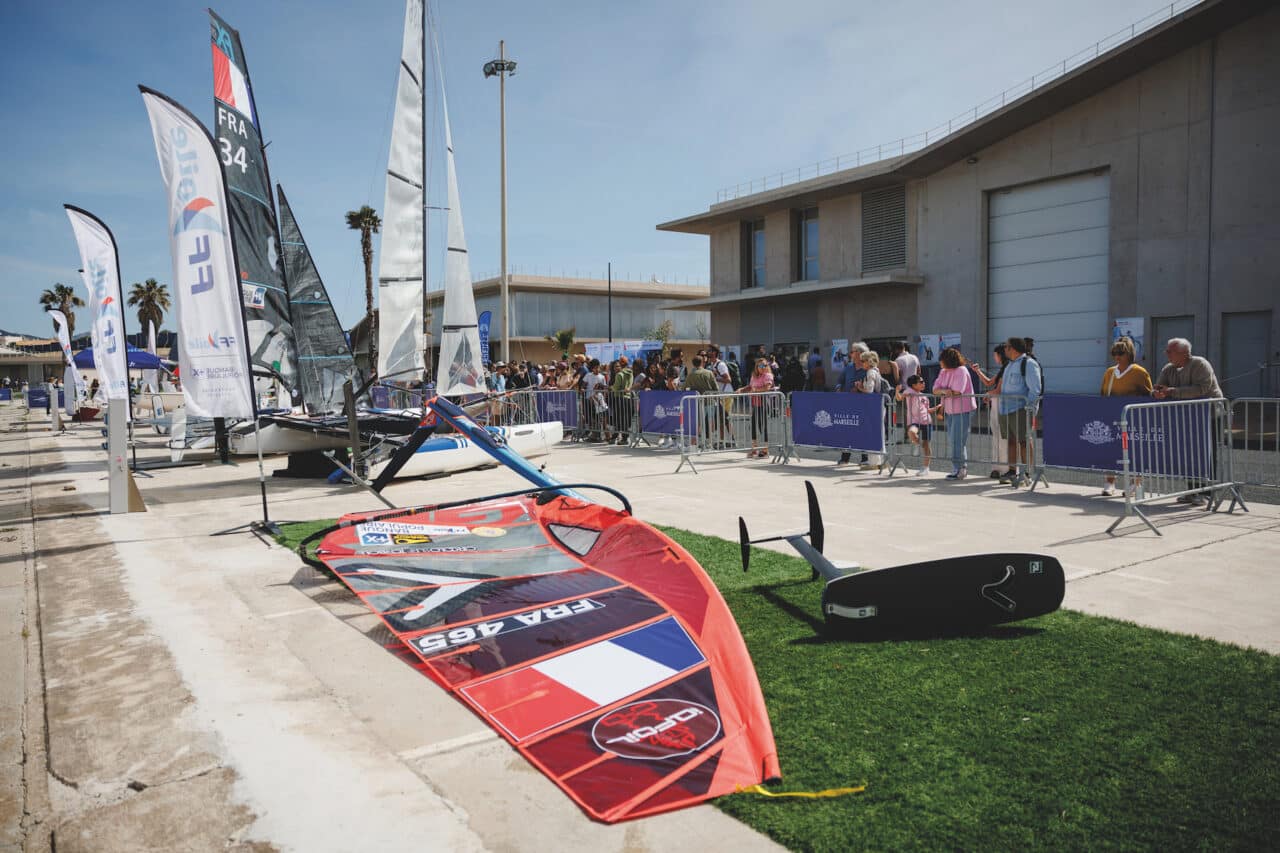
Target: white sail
pixel 401 263
pixel 459 371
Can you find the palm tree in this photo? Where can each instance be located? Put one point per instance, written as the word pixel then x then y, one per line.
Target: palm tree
pixel 152 299
pixel 62 298
pixel 563 338
pixel 366 221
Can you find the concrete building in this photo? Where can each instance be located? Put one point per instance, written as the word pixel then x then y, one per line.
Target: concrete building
pixel 542 305
pixel 1143 183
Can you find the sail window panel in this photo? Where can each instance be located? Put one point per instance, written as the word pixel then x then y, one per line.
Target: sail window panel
pixel 884 228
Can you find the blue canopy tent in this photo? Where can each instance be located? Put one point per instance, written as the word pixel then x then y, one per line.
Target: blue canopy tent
pixel 139 358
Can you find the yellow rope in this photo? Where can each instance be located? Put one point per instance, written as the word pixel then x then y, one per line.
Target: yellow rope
pixel 811 795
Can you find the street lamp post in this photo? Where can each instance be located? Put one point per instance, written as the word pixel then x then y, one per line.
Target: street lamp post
pixel 502 67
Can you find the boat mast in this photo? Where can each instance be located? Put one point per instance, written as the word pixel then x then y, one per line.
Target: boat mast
pixel 426 322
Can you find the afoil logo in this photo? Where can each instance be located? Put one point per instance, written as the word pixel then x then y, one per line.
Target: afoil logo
pixel 655 729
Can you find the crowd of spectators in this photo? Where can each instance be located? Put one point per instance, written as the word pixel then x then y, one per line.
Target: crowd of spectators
pixel 1010 393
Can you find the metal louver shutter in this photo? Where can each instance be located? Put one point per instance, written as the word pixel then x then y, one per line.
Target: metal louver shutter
pixel 884 228
pixel 1048 257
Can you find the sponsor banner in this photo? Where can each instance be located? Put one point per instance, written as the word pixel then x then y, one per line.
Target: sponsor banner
pixel 559 406
pixel 71 377
pixel 1083 432
pixel 101 265
pixel 484 322
pixel 206 293
pixel 831 419
pixel 37 398
pixel 380 396
pixel 660 411
pixel 608 351
pixel 6 394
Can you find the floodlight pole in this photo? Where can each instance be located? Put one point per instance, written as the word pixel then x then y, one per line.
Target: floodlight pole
pixel 501 67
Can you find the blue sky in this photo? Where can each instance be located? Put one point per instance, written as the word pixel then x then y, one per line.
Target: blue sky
pixel 620 116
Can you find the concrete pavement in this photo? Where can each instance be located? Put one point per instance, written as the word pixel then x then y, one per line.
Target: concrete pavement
pixel 207 691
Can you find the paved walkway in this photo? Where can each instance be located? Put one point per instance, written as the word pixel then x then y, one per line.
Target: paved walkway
pixel 204 691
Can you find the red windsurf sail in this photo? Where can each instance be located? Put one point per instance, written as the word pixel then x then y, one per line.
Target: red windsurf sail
pixel 593 643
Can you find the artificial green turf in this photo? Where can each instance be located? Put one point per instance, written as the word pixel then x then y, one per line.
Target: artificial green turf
pixel 1063 732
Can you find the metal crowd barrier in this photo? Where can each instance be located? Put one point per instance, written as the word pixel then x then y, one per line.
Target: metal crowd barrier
pixel 1254 434
pixel 607 416
pixel 728 423
pixel 986 449
pixel 1177 449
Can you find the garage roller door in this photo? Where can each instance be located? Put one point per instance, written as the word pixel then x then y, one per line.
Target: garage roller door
pixel 1047 275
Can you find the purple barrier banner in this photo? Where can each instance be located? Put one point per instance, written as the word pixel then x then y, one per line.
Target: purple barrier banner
pixel 37 398
pixel 1175 440
pixel 834 419
pixel 1083 432
pixel 380 396
pixel 559 406
pixel 660 412
pixel 6 393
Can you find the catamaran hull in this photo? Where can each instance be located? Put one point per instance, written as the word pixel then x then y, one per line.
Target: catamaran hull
pixel 447 453
pixel 277 439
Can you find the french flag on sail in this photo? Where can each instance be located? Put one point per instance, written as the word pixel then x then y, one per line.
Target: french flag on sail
pixel 230 85
pixel 539 697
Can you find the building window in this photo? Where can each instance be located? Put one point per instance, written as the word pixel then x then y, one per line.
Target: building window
pixel 753 254
pixel 807 244
pixel 884 228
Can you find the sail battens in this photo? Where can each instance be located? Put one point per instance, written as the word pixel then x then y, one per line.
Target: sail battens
pixel 410 181
pixel 247 194
pixel 394 280
pixel 456 249
pixel 412 76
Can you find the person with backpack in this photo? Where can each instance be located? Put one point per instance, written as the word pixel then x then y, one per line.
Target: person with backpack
pixel 735 372
pixel 1020 393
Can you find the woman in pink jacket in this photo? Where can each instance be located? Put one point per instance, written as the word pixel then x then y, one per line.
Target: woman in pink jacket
pixel 955 388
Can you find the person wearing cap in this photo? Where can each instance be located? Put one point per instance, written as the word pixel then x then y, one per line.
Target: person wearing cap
pixel 564 376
